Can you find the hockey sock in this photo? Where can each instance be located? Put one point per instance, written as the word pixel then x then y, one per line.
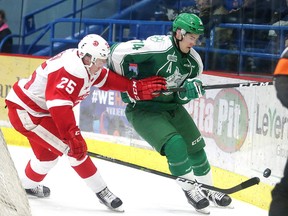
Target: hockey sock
pixel 84 168
pixel 36 171
pixel 177 156
pixel 205 179
pixel 95 182
pixel 199 162
pixel 87 170
pixel 184 184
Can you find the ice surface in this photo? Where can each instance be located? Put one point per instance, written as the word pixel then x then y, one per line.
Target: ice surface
pixel 143 193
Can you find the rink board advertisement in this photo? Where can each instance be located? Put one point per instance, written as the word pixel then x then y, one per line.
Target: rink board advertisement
pixel 103 112
pixel 12 68
pixel 243 127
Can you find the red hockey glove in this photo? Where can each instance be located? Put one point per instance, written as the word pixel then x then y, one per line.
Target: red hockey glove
pixel 145 89
pixel 77 144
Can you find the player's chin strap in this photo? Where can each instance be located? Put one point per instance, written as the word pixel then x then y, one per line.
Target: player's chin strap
pixel 88 67
pixel 183 32
pixel 177 40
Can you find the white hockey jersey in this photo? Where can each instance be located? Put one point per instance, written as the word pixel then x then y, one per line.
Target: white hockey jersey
pixel 59 81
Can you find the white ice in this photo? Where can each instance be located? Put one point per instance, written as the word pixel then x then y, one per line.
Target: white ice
pixel 143 193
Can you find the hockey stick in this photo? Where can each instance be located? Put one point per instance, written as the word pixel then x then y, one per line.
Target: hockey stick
pixel 246 184
pixel 177 89
pixel 220 86
pixel 235 85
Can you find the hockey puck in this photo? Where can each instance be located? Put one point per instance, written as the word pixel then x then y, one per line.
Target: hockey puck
pixel 267 173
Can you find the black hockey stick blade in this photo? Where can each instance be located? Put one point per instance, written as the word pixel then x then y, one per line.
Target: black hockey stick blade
pixel 236 85
pixel 246 184
pixel 220 86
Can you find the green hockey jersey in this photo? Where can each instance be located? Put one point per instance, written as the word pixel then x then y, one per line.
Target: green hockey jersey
pixel 157 55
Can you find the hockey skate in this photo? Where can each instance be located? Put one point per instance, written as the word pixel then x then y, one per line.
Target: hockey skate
pixel 107 198
pixel 218 199
pixel 40 191
pixel 197 199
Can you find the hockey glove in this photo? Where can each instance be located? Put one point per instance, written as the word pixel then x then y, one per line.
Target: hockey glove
pixel 145 89
pixel 194 89
pixel 77 144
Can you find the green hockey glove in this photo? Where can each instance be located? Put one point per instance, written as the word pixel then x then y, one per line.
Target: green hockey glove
pixel 194 89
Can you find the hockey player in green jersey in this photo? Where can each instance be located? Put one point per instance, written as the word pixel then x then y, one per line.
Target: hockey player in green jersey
pixel 163 121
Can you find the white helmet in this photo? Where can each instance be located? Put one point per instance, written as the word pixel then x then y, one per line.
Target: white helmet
pixel 95 46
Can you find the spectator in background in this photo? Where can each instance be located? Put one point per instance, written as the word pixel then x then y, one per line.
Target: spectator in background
pixel 232 5
pixel 279 18
pixel 279 11
pixel 246 12
pixel 213 13
pixel 262 12
pixel 4 31
pixel 276 43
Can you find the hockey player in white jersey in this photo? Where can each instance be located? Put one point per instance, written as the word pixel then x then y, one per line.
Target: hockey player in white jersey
pixel 40 108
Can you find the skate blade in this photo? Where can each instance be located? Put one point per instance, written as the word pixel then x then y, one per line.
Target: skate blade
pixel 30 196
pixel 118 209
pixel 204 210
pixel 230 206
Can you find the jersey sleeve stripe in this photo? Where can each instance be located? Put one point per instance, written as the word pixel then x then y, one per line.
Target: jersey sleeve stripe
pixel 28 101
pixel 100 81
pixel 58 102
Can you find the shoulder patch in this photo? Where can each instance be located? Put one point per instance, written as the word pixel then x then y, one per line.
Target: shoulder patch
pixel 158 42
pixel 157 38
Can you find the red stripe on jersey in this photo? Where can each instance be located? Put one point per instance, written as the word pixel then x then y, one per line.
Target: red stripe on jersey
pixel 43 65
pixel 29 83
pixel 86 169
pixel 103 74
pixel 31 174
pixel 30 103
